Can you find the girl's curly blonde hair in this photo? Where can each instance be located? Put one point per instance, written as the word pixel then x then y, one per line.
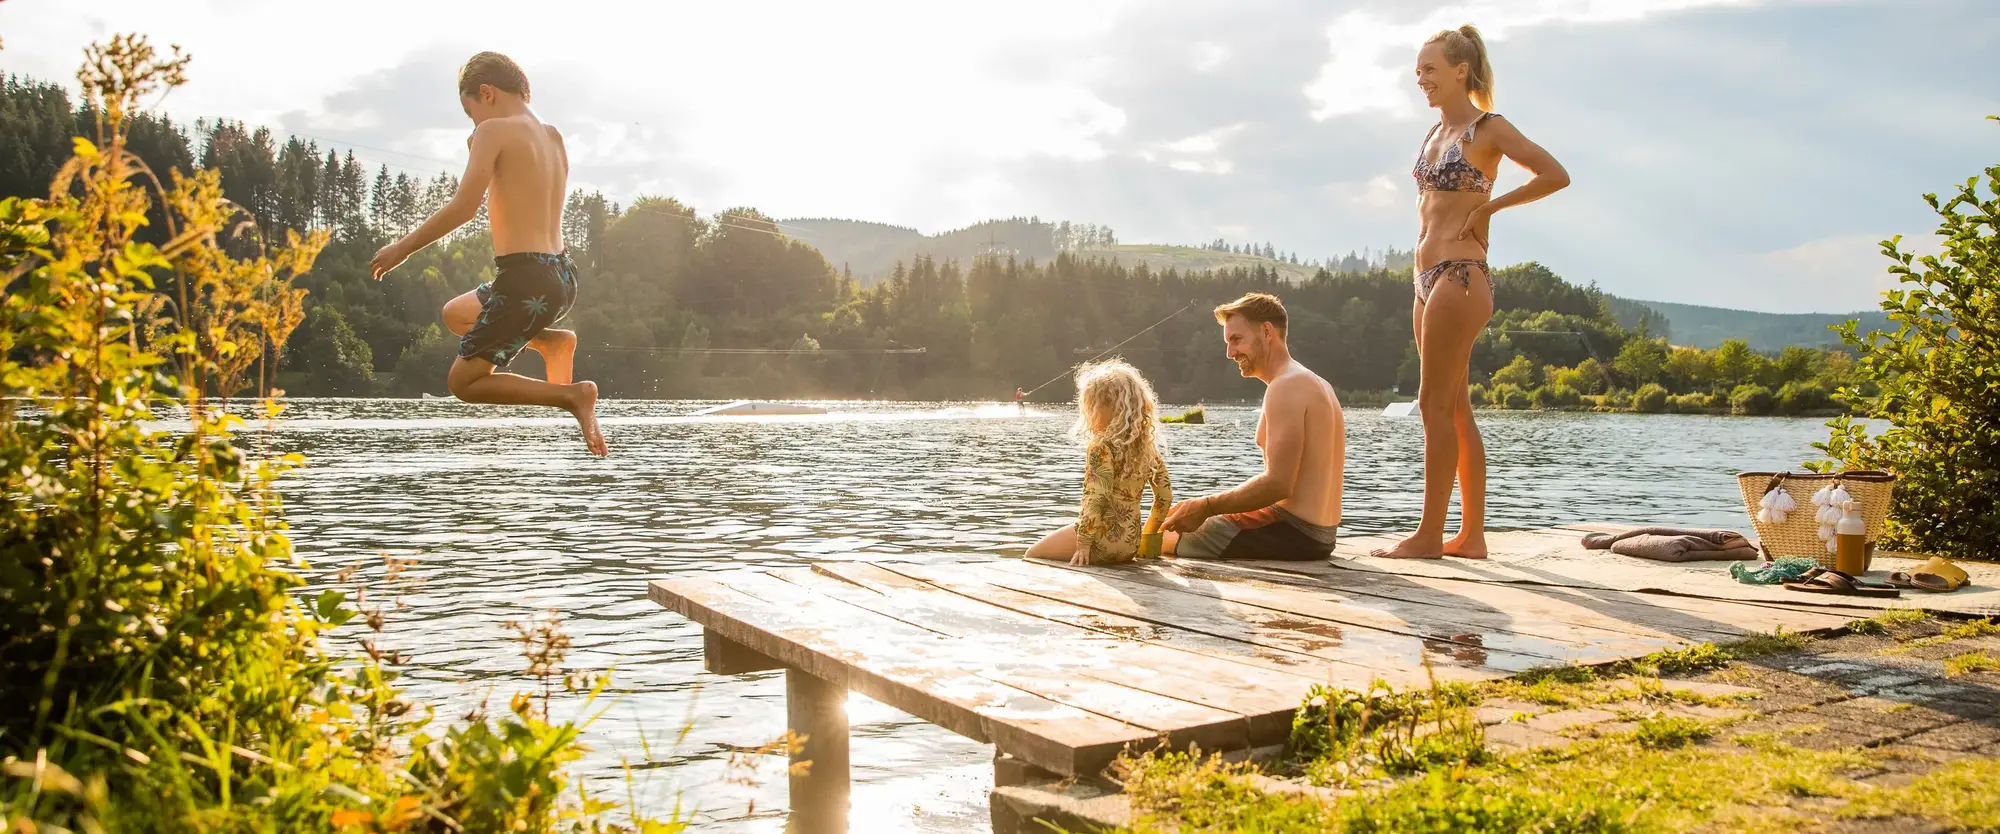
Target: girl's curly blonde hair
pixel 1124 398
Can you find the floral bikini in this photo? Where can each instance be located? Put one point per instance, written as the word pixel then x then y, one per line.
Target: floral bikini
pixel 1452 172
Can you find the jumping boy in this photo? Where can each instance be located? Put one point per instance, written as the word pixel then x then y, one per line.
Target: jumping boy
pixel 519 166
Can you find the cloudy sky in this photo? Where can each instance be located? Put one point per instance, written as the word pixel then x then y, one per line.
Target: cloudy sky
pixel 1744 153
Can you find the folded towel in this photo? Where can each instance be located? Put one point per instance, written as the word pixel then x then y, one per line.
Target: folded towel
pixel 1697 538
pixel 1680 549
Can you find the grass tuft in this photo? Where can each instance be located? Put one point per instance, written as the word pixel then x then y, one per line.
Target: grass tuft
pixel 1670 731
pixel 1763 645
pixel 1964 795
pixel 1969 663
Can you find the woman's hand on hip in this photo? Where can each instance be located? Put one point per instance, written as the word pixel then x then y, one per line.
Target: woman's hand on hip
pixel 1477 224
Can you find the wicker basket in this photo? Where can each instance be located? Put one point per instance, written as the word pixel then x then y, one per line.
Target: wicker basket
pixel 1799 534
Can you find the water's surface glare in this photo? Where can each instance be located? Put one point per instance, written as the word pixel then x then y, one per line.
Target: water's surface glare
pixel 506 516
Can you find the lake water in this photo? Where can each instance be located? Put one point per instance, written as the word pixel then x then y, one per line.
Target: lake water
pixel 505 517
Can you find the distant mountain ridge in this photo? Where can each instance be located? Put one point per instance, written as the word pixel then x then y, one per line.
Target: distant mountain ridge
pixel 1708 327
pixel 872 250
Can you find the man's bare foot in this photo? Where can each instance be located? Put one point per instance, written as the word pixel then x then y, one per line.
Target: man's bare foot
pixel 1466 545
pixel 558 350
pixel 1414 547
pixel 583 404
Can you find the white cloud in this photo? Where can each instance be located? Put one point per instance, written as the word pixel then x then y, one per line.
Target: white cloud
pixel 1197 154
pixel 1370 55
pixel 1208 56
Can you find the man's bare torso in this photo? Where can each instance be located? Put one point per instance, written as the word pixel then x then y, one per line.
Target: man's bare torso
pixel 524 203
pixel 1316 496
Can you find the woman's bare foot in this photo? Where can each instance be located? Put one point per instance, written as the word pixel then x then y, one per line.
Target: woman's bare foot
pixel 558 350
pixel 1466 545
pixel 1414 547
pixel 583 404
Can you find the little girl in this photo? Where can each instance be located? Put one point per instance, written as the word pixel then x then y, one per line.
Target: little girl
pixel 1116 424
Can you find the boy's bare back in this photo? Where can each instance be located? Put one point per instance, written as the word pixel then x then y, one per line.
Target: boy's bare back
pixel 524 202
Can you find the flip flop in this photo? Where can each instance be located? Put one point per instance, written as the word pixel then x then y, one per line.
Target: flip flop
pixel 1937 576
pixel 1826 581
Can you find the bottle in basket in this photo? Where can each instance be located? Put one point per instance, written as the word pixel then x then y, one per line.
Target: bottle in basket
pixel 1850 536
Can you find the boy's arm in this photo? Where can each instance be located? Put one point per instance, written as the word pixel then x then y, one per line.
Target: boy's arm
pixel 464 205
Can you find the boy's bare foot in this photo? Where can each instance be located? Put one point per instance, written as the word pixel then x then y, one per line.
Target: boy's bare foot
pixel 583 404
pixel 558 350
pixel 1466 545
pixel 1414 547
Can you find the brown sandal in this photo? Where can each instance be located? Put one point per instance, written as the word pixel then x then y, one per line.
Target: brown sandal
pixel 1824 581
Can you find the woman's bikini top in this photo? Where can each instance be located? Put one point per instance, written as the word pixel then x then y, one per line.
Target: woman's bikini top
pixel 1452 172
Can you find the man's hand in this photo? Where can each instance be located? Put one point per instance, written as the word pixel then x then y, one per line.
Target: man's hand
pixel 1187 516
pixel 387 258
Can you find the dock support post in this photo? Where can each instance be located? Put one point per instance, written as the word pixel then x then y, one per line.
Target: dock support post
pixel 817 710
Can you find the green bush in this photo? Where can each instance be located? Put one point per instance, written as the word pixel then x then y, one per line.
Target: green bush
pixel 1718 400
pixel 422 366
pixel 1938 383
pixel 1507 395
pixel 1477 393
pixel 158 670
pixel 1802 397
pixel 1651 398
pixel 1751 400
pixel 1688 403
pixel 1618 399
pixel 1539 398
pixel 1520 373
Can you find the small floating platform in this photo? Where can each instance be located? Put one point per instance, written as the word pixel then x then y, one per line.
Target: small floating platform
pixel 755 408
pixel 1061 668
pixel 1408 409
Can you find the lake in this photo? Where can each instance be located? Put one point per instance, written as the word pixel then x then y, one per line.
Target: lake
pixel 506 517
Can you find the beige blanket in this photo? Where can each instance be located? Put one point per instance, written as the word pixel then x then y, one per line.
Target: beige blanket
pixel 1675 544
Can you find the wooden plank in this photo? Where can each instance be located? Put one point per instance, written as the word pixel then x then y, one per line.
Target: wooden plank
pixel 1554 631
pixel 1210 671
pixel 723 656
pixel 1597 527
pixel 1395 657
pixel 1675 614
pixel 1060 662
pixel 1549 612
pixel 904 667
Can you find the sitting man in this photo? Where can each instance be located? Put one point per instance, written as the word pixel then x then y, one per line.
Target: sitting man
pixel 1292 510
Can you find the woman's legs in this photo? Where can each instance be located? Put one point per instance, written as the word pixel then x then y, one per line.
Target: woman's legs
pixel 1446 325
pixel 1059 545
pixel 1471 539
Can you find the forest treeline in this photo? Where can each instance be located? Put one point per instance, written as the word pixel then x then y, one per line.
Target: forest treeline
pixel 674 303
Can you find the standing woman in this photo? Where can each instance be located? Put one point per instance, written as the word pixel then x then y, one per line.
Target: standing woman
pixel 1455 170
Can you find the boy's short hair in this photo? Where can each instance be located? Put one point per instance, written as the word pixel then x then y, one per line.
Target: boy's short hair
pixel 1256 308
pixel 495 69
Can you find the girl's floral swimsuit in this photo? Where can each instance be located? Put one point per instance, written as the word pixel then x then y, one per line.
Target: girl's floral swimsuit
pixel 1113 483
pixel 1453 172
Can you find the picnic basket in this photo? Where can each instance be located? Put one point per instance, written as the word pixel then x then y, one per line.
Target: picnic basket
pixel 1798 535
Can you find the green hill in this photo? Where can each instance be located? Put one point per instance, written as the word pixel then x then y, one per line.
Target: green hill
pixel 1707 327
pixel 1192 259
pixel 872 250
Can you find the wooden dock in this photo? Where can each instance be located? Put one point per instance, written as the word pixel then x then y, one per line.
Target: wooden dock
pixel 1061 668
